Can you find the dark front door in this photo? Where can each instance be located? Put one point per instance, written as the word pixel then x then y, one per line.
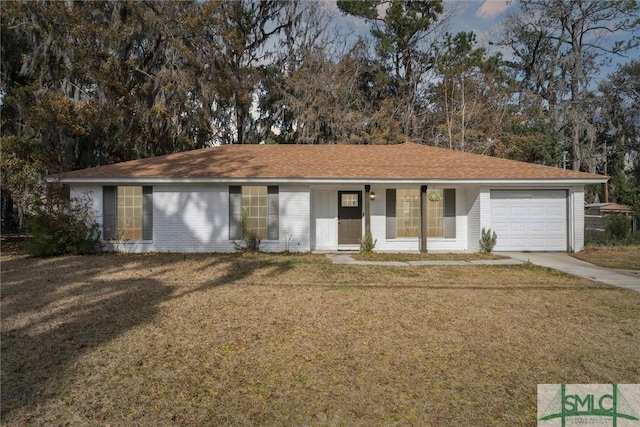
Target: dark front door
pixel 349 217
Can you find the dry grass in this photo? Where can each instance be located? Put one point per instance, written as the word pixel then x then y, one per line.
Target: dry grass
pixel 622 257
pixel 294 340
pixel 383 256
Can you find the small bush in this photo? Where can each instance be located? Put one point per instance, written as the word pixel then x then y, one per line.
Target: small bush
pixel 488 241
pixel 618 227
pixel 250 240
pixel 59 231
pixel 367 244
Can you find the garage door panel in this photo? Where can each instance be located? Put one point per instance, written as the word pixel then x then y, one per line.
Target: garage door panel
pixel 556 228
pixel 538 211
pixel 537 227
pixel 558 241
pixel 529 220
pixel 517 210
pixel 499 226
pixel 516 241
pixel 518 227
pixel 501 211
pixel 557 212
pixel 537 242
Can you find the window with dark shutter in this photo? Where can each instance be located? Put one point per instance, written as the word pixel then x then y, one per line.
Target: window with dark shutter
pixel 391 213
pixel 127 212
pixel 273 220
pixel 235 212
pixel 449 213
pixel 260 206
pixel 147 213
pixel 109 209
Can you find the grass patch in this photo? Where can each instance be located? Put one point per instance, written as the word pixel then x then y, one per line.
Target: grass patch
pixel 403 257
pixel 622 257
pixel 604 238
pixel 163 339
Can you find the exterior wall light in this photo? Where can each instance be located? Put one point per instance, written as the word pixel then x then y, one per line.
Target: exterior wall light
pixel 372 196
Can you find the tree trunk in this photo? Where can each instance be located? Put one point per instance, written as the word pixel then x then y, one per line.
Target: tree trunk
pixel 575 147
pixel 7 212
pixel 239 123
pixel 462 123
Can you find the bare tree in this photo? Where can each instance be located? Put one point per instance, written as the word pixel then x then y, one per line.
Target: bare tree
pixel 559 46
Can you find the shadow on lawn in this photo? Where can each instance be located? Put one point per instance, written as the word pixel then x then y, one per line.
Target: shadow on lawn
pixel 238 267
pixel 57 314
pixel 63 308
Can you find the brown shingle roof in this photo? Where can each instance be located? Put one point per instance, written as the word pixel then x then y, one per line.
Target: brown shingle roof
pixel 405 161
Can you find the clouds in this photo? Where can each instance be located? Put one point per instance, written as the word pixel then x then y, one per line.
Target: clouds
pixel 491 8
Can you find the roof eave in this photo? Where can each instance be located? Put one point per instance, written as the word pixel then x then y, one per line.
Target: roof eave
pixel 310 181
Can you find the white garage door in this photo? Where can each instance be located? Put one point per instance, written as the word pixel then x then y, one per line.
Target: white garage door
pixel 529 220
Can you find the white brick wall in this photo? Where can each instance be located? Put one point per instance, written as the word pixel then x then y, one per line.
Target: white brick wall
pixel 473 219
pixel 195 218
pixel 295 217
pixel 94 192
pixel 191 219
pixel 485 209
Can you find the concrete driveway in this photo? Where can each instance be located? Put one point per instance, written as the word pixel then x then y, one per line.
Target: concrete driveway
pixel 570 265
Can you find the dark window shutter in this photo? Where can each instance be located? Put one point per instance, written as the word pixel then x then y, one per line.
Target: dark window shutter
pixel 235 212
pixel 449 213
pixel 109 210
pixel 147 213
pixel 391 213
pixel 273 219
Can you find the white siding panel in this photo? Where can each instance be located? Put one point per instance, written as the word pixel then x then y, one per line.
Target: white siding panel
pixel 576 218
pixel 325 219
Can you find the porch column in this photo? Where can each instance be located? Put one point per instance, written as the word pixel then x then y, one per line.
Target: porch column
pixel 423 218
pixel 367 207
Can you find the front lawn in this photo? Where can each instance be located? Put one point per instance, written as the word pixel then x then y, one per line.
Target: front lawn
pixel 172 339
pixel 622 257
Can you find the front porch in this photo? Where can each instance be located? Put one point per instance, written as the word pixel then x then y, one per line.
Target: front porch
pixel 402 217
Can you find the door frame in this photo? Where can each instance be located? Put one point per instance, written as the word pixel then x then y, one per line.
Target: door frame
pixel 355 242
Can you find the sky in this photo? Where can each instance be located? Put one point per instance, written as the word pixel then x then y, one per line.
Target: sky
pixel 483 17
pixel 469 15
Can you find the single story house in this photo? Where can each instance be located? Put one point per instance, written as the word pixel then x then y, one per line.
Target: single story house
pixel 607 208
pixel 322 197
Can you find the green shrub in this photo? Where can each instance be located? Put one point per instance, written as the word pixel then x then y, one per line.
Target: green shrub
pixel 250 240
pixel 367 244
pixel 596 237
pixel 604 238
pixel 618 227
pixel 488 241
pixel 58 231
